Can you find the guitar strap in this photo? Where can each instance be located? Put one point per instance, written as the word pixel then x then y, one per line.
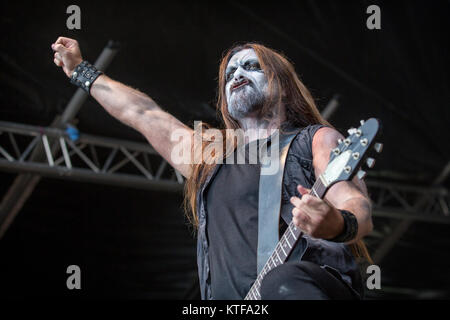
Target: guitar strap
pixel 269 197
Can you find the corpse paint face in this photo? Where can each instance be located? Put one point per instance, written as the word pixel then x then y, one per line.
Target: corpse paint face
pixel 246 84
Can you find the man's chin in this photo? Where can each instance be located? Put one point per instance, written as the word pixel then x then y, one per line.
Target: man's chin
pixel 243 107
pixel 241 113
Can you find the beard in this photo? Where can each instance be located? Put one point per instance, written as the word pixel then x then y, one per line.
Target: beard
pixel 244 101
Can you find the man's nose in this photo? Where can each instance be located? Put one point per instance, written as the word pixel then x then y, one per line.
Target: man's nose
pixel 239 74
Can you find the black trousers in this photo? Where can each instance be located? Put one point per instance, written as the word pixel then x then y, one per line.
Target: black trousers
pixel 304 281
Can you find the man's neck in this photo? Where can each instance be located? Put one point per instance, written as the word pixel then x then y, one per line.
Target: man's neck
pixel 256 128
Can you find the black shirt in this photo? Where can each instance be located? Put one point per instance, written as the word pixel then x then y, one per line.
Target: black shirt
pixel 232 228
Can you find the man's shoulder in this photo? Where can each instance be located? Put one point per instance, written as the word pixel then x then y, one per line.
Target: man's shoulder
pixel 325 139
pixel 302 143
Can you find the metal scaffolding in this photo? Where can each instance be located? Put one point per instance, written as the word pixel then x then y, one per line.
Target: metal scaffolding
pixel 406 204
pixel 86 158
pixel 400 201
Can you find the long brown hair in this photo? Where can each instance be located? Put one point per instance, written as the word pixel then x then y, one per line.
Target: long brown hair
pixel 300 110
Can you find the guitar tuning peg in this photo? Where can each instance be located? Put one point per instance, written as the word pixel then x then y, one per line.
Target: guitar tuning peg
pixel 340 141
pixel 362 122
pixel 336 151
pixel 378 147
pixel 351 130
pixel 370 162
pixel 361 174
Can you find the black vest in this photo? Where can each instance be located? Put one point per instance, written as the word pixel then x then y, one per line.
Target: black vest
pixel 335 257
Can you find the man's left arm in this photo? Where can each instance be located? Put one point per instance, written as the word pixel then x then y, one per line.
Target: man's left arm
pixel 320 217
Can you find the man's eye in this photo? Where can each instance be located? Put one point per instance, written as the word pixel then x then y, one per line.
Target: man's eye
pixel 252 66
pixel 229 75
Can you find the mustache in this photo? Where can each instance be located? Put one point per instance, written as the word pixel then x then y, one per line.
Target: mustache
pixel 240 83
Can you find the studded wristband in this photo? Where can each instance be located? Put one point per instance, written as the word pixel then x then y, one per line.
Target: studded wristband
pixel 84 76
pixel 350 227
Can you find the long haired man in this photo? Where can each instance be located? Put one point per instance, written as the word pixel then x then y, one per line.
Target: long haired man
pixel 258 91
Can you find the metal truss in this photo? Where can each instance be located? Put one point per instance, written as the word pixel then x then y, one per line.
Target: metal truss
pixel 85 158
pixel 400 201
pixel 405 204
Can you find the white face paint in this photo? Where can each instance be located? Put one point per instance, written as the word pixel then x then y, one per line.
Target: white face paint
pixel 246 84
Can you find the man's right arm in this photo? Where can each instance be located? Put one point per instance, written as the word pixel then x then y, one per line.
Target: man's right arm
pixel 128 105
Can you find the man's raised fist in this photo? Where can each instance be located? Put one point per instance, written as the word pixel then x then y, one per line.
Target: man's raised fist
pixel 67 54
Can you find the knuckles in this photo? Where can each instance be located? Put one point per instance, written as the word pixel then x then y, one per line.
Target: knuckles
pixel 314 223
pixel 307 200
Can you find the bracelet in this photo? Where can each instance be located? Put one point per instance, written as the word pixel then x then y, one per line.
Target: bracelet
pixel 350 227
pixel 84 76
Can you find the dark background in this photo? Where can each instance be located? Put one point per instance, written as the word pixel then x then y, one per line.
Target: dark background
pixel 133 243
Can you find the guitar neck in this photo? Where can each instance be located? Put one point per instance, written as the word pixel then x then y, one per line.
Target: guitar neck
pixel 284 246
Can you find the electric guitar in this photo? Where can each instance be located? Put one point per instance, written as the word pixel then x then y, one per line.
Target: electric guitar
pixel 345 161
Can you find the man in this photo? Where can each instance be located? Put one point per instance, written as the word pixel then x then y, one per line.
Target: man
pixel 258 89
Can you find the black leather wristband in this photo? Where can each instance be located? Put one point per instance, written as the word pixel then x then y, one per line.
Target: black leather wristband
pixel 84 76
pixel 350 227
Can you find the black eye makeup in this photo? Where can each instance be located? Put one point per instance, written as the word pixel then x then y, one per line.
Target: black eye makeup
pixel 229 73
pixel 249 65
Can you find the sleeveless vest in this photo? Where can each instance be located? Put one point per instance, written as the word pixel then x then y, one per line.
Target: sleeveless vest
pixel 334 257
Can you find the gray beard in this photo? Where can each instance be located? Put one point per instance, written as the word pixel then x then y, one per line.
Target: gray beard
pixel 245 101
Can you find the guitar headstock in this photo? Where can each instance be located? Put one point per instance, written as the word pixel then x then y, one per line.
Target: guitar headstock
pixel 352 153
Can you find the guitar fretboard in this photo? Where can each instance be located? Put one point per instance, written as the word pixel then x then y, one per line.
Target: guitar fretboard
pixel 284 246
